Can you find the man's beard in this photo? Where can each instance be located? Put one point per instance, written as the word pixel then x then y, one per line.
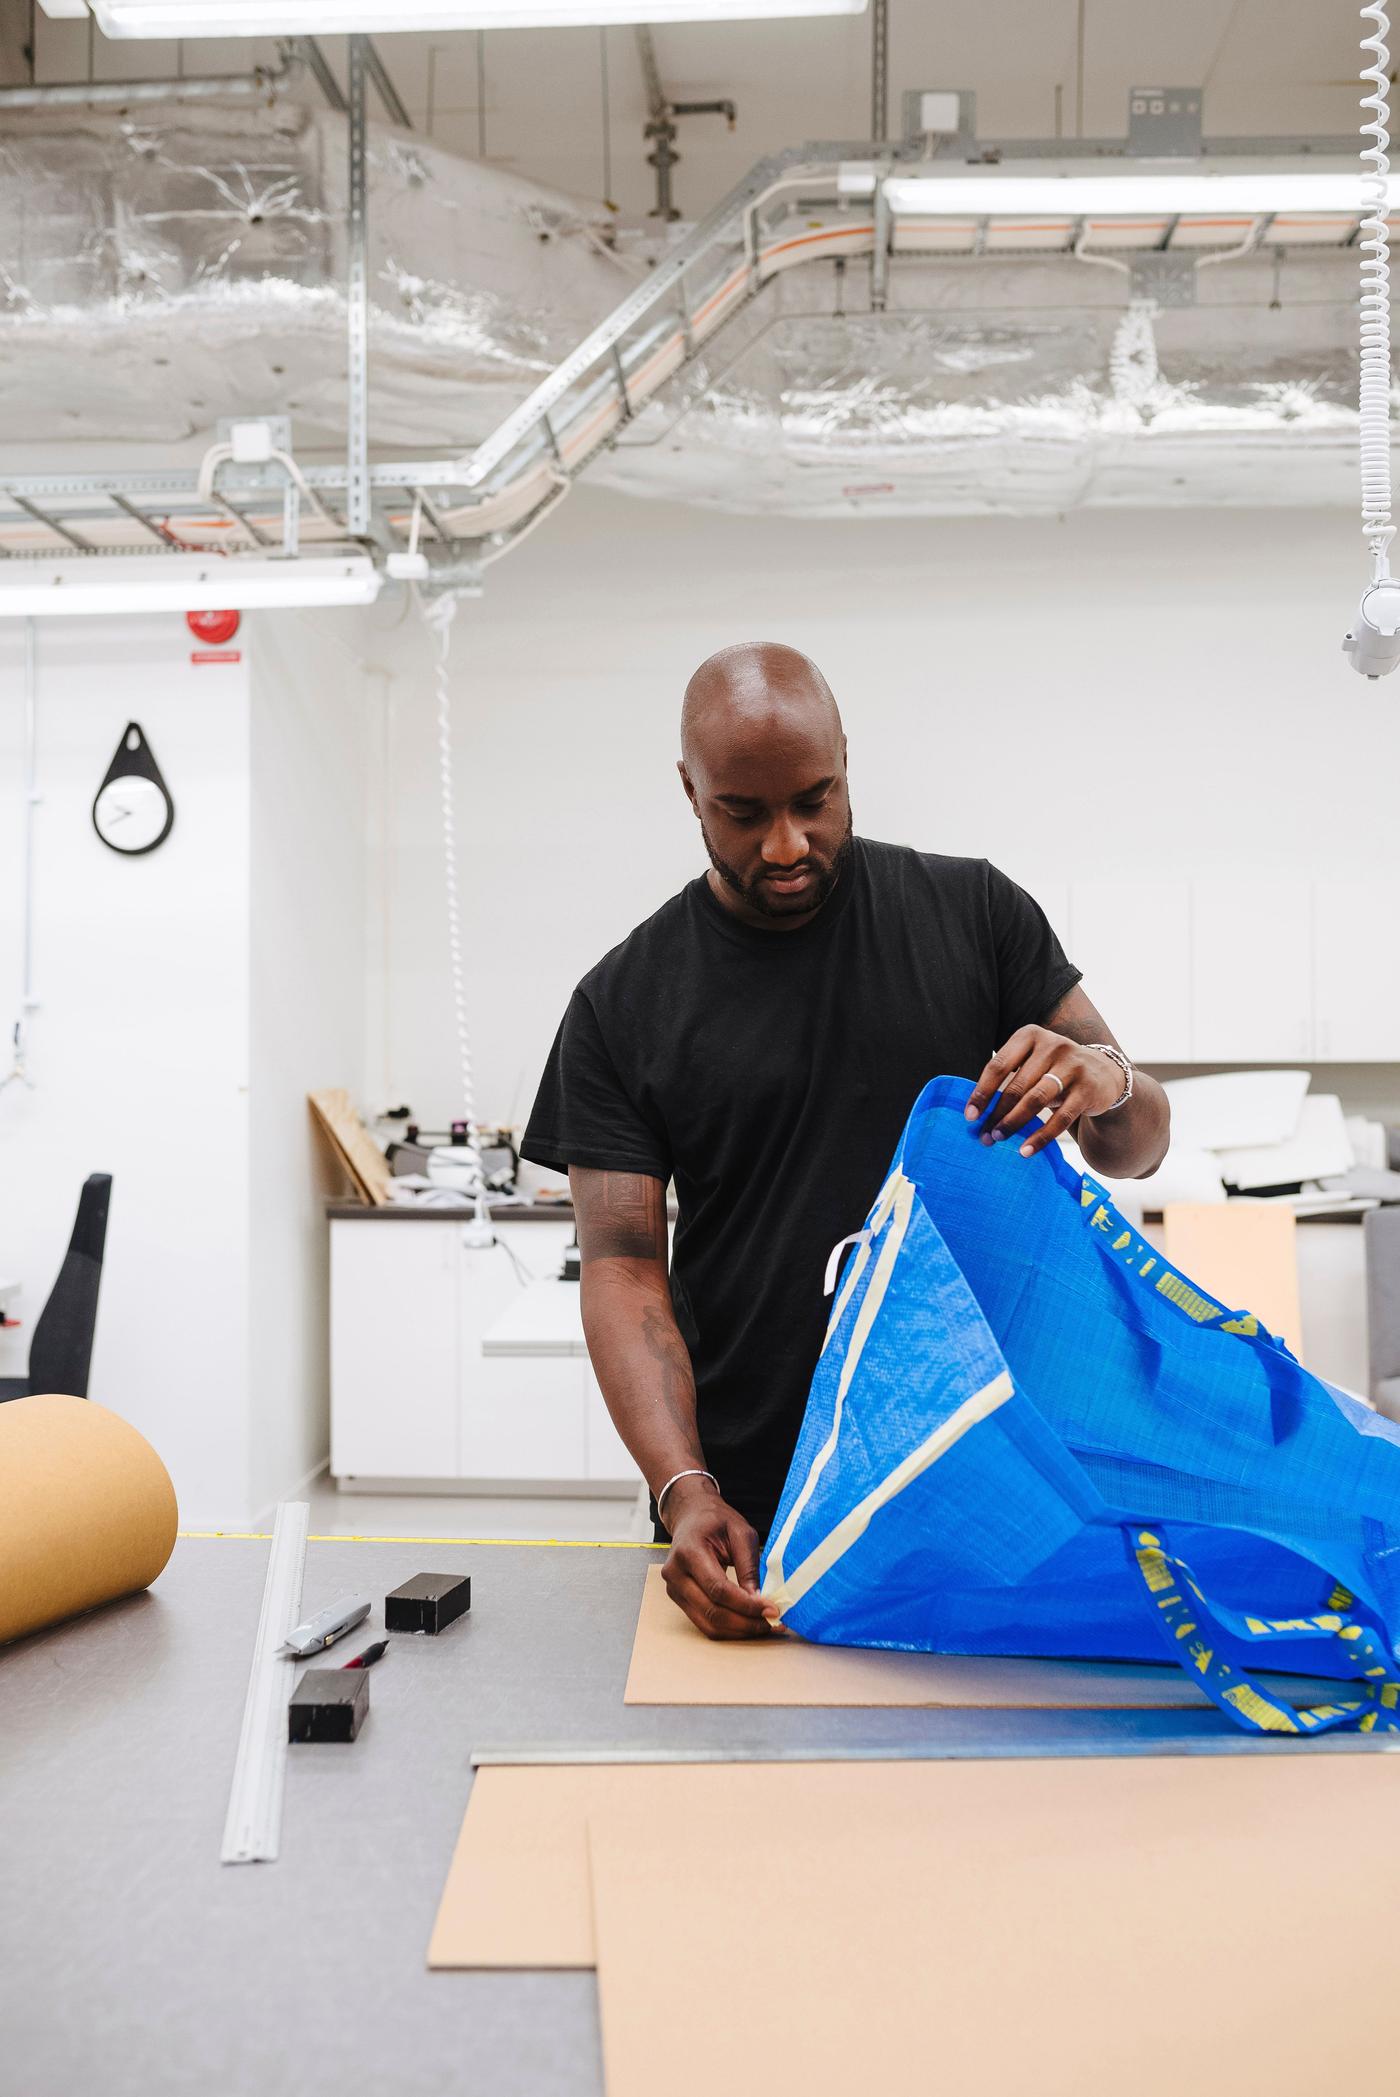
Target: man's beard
pixel 757 894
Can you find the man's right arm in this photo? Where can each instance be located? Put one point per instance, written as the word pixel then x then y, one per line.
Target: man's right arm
pixel 643 1368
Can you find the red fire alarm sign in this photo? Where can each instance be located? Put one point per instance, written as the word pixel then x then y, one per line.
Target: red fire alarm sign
pixel 213 627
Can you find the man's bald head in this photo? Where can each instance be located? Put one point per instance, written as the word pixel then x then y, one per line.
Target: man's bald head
pixel 743 691
pixel 763 761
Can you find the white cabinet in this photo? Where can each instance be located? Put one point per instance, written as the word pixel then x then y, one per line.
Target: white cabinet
pixel 414 1399
pixel 606 1454
pixel 1251 971
pixel 395 1296
pixel 1356 995
pixel 1131 940
pixel 522 1418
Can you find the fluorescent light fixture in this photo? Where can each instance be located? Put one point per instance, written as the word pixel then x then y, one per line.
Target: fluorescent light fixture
pixel 1112 196
pixel 36 588
pixel 190 18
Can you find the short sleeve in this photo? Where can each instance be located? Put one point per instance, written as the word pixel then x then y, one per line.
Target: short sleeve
pixel 583 1113
pixel 1033 973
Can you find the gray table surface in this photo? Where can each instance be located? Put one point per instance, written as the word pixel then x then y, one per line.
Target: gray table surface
pixel 132 1961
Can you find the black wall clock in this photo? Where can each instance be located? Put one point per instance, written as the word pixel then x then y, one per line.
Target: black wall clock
pixel 133 812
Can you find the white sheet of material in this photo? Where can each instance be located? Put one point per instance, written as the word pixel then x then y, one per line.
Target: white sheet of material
pixel 1184 1175
pixel 1234 1110
pixel 1318 1149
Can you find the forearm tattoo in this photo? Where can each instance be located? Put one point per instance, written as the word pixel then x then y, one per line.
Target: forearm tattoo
pixel 676 1380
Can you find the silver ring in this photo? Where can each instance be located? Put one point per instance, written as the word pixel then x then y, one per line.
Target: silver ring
pixel 1058 1083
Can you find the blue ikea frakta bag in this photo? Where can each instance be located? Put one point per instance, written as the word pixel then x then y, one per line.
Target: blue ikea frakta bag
pixel 1028 1433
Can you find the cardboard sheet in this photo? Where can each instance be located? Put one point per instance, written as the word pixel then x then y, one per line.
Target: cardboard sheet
pixel 673 1663
pixel 87 1511
pixel 517 1891
pixel 1151 1926
pixel 1246 1254
pixel 357 1152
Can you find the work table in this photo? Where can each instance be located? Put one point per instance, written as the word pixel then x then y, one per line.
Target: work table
pixel 306 1977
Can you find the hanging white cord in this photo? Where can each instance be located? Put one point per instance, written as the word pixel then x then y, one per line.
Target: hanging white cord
pixel 1374 641
pixel 1375 301
pixel 438 614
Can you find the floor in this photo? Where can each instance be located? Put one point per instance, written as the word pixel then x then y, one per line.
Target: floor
pixel 485 1516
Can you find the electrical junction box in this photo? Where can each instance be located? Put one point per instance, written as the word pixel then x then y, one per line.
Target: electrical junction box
pixel 252 442
pixel 1164 123
pixel 941 112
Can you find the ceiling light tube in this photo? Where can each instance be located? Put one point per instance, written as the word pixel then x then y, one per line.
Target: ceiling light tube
pixel 1115 196
pixel 191 18
pixel 39 588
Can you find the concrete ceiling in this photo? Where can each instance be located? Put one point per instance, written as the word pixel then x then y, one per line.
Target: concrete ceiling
pixel 566 107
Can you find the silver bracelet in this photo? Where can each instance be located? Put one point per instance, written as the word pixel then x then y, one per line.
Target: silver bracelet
pixel 676 1481
pixel 1115 1055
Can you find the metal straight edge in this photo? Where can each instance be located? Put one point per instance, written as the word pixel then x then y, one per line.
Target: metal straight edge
pixel 1103 1747
pixel 253 1829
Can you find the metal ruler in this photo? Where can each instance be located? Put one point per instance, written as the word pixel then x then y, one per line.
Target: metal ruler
pixel 253 1829
pixel 1102 1745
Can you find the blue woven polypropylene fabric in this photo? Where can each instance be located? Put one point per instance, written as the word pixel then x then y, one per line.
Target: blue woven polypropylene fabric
pixel 1029 1433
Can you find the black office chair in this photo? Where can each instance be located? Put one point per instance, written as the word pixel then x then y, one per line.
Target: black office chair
pixel 61 1350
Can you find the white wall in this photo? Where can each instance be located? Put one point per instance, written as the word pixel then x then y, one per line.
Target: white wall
pixel 1112 695
pixel 139 1049
pixel 189 1000
pixel 308 904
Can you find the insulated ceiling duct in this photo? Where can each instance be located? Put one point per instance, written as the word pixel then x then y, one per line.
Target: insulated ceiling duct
pixel 163 269
pixel 1025 387
pixel 160 272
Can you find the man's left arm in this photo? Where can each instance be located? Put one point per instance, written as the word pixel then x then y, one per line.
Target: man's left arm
pixel 1055 1067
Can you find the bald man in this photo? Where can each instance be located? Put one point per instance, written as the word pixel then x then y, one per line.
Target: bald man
pixel 760 1041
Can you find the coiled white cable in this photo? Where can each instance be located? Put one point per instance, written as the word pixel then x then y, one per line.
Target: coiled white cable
pixel 438 614
pixel 1375 300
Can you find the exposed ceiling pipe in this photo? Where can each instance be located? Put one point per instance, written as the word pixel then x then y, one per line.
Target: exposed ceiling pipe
pixel 263 80
pixel 661 123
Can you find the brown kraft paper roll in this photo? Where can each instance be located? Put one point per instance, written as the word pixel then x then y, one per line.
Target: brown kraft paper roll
pixel 88 1511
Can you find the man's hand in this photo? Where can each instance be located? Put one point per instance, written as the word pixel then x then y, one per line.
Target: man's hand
pixel 707 1536
pixel 1041 1069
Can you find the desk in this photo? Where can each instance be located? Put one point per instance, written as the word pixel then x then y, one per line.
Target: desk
pixel 136 1965
pixel 544 1321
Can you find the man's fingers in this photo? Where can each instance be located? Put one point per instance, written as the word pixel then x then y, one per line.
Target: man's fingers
pixel 743 1555
pixel 1035 1088
pixel 708 1617
pixel 1064 1117
pixel 997 1070
pixel 705 1571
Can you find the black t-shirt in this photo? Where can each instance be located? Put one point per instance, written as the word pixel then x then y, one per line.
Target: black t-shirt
pixel 770 1074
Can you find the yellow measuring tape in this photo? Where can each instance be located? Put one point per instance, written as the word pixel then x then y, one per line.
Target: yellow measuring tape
pixel 521 1543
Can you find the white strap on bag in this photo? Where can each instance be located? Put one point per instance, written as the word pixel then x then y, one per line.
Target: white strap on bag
pixel 833 1265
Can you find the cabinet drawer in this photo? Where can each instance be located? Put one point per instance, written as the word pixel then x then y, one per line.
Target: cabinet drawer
pixel 523 1417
